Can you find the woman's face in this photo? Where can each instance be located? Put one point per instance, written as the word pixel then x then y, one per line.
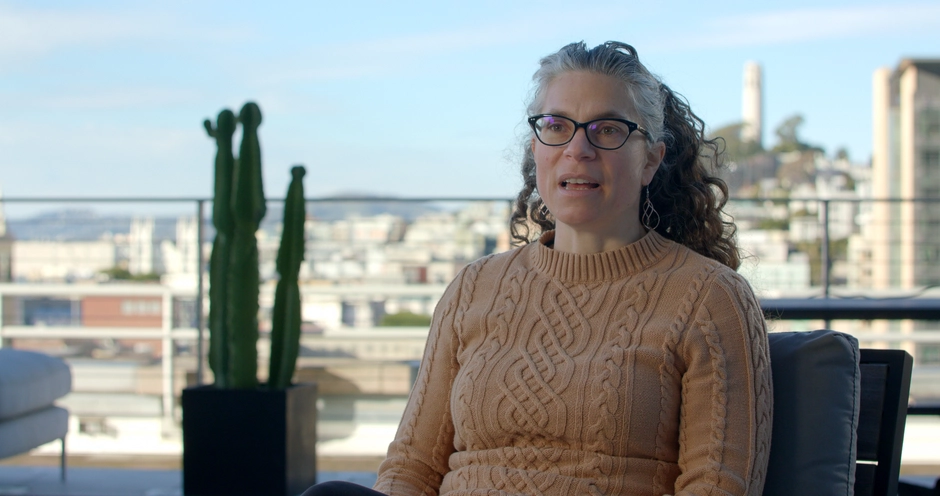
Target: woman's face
pixel 587 189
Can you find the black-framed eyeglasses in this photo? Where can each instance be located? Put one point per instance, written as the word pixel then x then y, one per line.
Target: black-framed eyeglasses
pixel 606 134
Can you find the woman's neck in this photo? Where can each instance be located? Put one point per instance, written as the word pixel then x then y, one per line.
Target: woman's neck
pixel 587 242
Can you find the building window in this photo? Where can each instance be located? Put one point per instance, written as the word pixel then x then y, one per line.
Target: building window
pixel 931 254
pixel 51 312
pixel 930 159
pixel 140 307
pixel 929 122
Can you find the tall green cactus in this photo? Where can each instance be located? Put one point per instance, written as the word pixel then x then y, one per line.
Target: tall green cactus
pixel 285 326
pixel 248 208
pixel 238 208
pixel 221 247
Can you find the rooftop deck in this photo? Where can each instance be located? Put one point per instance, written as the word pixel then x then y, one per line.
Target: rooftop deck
pixel 38 475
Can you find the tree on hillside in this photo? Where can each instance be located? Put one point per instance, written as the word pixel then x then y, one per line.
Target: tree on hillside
pixel 735 148
pixel 405 319
pixel 118 273
pixel 788 136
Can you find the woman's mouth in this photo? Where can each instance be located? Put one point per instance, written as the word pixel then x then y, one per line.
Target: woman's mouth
pixel 578 184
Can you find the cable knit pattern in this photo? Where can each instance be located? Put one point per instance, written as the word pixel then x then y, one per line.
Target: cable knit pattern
pixel 719 397
pixel 669 379
pixel 754 323
pixel 639 371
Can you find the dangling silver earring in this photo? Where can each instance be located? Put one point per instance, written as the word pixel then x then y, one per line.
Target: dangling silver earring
pixel 544 210
pixel 650 215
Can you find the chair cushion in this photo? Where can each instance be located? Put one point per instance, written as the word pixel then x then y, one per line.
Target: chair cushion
pixel 30 381
pixel 816 399
pixel 26 432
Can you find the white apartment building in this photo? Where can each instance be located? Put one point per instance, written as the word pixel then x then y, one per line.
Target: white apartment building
pixel 35 261
pixel 6 250
pixel 142 251
pixel 180 257
pixel 905 237
pixel 902 240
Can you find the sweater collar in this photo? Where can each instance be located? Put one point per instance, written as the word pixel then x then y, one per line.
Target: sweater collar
pixel 608 265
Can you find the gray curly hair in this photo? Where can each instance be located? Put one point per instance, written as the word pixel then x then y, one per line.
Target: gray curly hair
pixel 685 191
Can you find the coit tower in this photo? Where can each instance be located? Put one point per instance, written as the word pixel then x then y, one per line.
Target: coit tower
pixel 752 106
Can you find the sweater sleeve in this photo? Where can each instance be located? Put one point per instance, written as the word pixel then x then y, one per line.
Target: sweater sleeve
pixel 726 409
pixel 418 457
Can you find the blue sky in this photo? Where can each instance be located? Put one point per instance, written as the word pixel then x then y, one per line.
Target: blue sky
pixel 107 98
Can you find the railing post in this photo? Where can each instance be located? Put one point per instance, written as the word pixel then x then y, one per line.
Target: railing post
pixel 824 256
pixel 824 261
pixel 199 289
pixel 2 344
pixel 167 360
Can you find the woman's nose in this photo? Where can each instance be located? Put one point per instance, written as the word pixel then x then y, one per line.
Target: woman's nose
pixel 579 147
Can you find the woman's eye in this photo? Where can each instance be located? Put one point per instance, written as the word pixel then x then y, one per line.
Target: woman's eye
pixel 556 127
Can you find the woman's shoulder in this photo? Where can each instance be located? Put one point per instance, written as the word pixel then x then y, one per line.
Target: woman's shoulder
pixel 715 272
pixel 725 299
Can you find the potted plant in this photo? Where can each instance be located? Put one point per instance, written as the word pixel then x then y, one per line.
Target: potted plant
pixel 241 436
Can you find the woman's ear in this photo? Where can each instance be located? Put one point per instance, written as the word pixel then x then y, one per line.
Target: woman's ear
pixel 654 157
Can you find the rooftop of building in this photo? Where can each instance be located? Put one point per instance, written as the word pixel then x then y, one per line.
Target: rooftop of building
pixel 930 65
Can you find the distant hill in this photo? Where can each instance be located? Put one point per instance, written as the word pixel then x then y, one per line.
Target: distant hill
pixel 364 205
pixel 82 225
pixel 72 224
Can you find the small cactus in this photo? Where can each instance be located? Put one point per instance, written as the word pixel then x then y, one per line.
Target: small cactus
pixel 285 325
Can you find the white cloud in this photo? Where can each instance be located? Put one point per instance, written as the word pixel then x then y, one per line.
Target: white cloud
pixel 30 32
pixel 120 99
pixel 36 31
pixel 809 24
pixel 391 54
pixel 343 61
pixel 546 26
pixel 92 159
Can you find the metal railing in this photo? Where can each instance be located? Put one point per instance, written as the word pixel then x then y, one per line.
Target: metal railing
pixel 829 243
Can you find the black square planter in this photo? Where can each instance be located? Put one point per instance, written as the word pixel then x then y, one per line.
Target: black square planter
pixel 253 442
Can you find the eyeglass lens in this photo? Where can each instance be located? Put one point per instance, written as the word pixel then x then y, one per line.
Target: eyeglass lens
pixel 557 130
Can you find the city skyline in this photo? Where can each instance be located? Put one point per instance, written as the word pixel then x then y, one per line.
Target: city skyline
pixel 107 99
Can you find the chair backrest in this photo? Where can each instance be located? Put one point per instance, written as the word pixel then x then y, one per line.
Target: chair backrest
pixel 838 415
pixel 886 385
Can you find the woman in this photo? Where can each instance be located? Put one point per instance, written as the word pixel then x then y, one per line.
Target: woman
pixel 618 354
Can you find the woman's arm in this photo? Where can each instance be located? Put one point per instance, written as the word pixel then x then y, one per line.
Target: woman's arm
pixel 418 457
pixel 726 408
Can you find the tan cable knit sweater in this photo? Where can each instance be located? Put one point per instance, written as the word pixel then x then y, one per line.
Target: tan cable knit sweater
pixel 640 371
